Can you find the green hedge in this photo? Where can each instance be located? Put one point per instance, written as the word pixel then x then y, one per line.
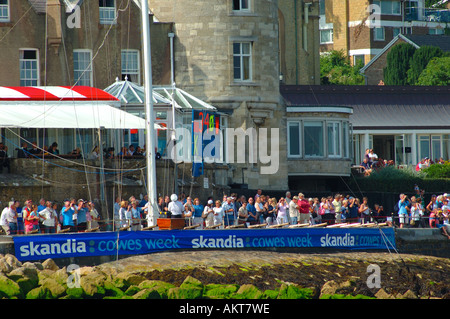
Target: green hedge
pixel 434 179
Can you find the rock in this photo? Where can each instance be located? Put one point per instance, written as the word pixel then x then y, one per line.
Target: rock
pixel 130 278
pixel 185 293
pixel 216 291
pixel 39 293
pixel 249 291
pixel 132 290
pixel 147 294
pixel 56 289
pixel 382 294
pixel 112 291
pixel 409 295
pixel 191 282
pixel 26 277
pixel 294 292
pixel 9 263
pixel 9 288
pixel 329 288
pixel 161 287
pixel 75 293
pixel 50 264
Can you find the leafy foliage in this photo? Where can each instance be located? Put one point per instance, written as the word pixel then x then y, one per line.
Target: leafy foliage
pixel 335 68
pixel 419 62
pixel 438 171
pixel 397 64
pixel 437 72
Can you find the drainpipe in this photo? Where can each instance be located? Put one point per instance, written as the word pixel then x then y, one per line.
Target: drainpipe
pixel 172 75
pixel 296 42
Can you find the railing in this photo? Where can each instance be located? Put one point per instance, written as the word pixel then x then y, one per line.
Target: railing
pixel 427 14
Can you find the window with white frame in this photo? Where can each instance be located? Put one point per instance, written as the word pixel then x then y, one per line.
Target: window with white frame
pixel 357 58
pixel 318 138
pixel 313 138
pixel 4 11
pixel 334 139
pixel 435 31
pixel 107 11
pixel 294 138
pixel 82 67
pixel 29 67
pixel 389 7
pixel 326 36
pixel 242 61
pixel 131 66
pixel 378 34
pixel 396 32
pixel 241 5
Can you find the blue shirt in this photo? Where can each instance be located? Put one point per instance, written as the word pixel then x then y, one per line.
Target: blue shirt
pixel 251 209
pixel 67 216
pixel 402 207
pixel 81 216
pixel 226 207
pixel 198 210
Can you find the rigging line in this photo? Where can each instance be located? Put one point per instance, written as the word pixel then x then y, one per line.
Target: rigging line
pixel 348 186
pixel 65 159
pixel 18 21
pixel 102 43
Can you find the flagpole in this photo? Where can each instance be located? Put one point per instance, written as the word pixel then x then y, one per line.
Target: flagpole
pixel 150 126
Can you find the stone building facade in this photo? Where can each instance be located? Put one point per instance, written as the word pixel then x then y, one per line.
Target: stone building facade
pixel 234 55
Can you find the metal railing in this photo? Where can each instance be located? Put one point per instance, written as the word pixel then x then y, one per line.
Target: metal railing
pixel 427 14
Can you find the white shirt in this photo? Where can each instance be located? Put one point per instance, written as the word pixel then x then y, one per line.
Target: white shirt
pixel 49 215
pixel 176 208
pixel 218 215
pixel 7 216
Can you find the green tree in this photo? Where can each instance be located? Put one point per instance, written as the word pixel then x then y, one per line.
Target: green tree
pixel 397 64
pixel 419 61
pixel 437 72
pixel 335 68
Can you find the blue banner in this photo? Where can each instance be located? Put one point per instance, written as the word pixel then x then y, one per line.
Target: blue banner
pixel 37 247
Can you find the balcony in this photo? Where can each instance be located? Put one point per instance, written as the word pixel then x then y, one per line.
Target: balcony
pixel 427 14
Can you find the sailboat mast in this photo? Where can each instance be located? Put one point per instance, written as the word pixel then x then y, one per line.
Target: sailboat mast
pixel 150 128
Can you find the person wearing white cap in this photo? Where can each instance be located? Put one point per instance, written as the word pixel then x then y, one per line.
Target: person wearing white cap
pixel 208 214
pixel 175 207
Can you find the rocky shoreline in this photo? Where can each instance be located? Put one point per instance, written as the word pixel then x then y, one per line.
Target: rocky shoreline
pixel 227 274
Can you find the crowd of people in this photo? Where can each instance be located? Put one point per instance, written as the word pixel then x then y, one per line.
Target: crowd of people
pixel 34 151
pixel 133 214
pixel 47 217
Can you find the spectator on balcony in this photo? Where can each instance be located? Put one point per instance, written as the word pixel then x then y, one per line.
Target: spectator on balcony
pixel 95 153
pixel 54 149
pixel 34 150
pixel 4 159
pixel 23 151
pixel 366 167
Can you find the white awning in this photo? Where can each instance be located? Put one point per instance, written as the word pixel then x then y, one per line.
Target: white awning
pixel 67 115
pixel 64 107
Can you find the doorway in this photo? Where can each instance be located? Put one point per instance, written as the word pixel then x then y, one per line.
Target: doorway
pixel 384 146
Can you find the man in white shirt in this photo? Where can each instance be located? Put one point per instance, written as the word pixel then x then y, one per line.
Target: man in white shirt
pixel 8 219
pixel 175 207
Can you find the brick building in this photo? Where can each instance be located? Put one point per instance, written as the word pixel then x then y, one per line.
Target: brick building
pixel 362 28
pixel 373 71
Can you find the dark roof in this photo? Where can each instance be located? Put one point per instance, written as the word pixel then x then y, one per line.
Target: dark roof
pixel 350 95
pixel 379 107
pixel 441 41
